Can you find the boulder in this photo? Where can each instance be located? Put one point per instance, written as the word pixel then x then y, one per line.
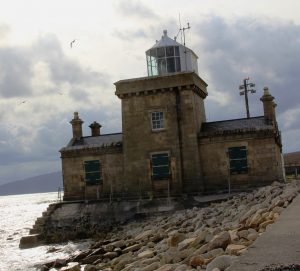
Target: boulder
pixel 197 261
pixel 175 238
pixel 201 250
pixel 221 262
pixel 144 235
pixel 266 223
pixel 233 235
pixel 118 244
pixel 252 236
pixel 146 254
pixel 132 248
pixel 254 220
pixel 171 256
pixel 243 233
pixel 90 267
pixel 185 243
pixel 167 267
pixel 233 249
pixel 72 266
pixel 30 241
pixel 220 240
pixel 182 267
pixel 213 253
pixel 110 255
pixel 151 267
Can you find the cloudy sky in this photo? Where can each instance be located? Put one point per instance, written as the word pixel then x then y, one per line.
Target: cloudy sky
pixel 43 80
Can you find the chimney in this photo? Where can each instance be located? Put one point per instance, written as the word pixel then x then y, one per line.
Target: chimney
pixel 269 105
pixel 76 126
pixel 95 128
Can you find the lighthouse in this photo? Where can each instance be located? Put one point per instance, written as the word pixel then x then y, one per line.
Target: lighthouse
pixel 167 56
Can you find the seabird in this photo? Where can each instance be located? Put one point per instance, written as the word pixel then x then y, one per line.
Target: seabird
pixel 71 43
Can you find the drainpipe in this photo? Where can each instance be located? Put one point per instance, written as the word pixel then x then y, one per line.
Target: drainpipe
pixel 178 118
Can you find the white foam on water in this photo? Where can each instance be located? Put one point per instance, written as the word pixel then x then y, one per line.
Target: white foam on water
pixel 17 215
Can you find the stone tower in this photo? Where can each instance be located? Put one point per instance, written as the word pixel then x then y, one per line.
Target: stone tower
pixel 161 118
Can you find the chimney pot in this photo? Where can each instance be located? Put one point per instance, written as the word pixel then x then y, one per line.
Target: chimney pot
pixel 95 128
pixel 76 126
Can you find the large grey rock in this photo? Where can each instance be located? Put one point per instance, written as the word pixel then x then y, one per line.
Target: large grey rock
pixel 73 266
pixel 220 240
pixel 30 241
pixel 90 267
pixel 221 262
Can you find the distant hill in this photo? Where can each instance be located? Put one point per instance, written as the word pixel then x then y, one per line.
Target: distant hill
pixel 38 184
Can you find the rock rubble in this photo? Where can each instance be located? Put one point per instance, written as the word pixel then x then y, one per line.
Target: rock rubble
pixel 208 238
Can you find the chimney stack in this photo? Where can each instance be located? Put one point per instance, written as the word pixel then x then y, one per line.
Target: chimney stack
pixel 95 128
pixel 76 126
pixel 269 105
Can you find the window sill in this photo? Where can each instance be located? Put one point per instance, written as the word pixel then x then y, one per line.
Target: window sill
pixel 158 130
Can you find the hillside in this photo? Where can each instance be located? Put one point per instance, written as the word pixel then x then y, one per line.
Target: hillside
pixel 38 184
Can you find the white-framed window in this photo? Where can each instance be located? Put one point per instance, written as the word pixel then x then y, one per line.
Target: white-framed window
pixel 157 120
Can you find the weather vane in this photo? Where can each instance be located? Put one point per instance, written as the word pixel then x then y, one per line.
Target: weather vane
pixel 245 91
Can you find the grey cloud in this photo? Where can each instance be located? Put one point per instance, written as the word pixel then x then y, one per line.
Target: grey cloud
pixel 130 35
pixel 134 8
pixel 15 69
pixel 16 66
pixel 50 137
pixel 267 51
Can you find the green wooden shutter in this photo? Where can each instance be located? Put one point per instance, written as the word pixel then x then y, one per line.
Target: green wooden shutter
pixel 238 159
pixel 160 166
pixel 92 172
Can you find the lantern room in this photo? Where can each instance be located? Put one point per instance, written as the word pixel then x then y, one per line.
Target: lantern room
pixel 168 56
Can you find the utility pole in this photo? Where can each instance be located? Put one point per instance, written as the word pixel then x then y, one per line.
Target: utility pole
pixel 247 87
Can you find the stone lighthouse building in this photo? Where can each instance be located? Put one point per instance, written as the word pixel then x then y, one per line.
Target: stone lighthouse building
pixel 167 148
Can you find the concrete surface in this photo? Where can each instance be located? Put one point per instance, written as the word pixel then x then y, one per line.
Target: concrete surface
pixel 280 244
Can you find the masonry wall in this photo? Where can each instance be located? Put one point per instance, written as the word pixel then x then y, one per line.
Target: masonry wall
pixel 180 97
pixel 139 141
pixel 263 157
pixel 192 117
pixel 75 187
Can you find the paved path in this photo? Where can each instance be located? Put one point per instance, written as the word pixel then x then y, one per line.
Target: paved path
pixel 280 244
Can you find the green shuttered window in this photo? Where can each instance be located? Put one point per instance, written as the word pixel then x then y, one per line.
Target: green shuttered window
pixel 93 174
pixel 160 166
pixel 238 159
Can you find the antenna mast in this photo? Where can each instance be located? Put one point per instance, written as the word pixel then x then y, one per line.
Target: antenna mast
pixel 185 52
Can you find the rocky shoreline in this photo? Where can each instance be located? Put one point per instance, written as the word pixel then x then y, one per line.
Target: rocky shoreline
pixel 208 238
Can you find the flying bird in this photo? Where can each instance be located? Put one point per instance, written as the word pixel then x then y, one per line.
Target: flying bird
pixel 71 43
pixel 22 102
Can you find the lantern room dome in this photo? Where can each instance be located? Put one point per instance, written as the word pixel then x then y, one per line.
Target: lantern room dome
pixel 168 56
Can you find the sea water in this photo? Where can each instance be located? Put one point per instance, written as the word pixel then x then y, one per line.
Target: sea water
pixel 17 215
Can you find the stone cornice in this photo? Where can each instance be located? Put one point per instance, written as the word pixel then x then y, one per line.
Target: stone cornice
pixel 239 134
pixel 160 84
pixel 84 151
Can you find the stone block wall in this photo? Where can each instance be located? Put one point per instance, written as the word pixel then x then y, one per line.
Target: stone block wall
pixel 139 141
pixel 75 187
pixel 180 98
pixel 263 158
